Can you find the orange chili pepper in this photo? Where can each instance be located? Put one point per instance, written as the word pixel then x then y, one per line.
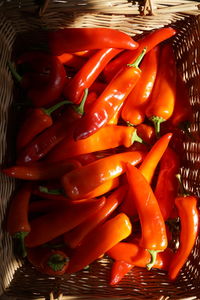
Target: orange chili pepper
pixel 133 110
pixel 86 178
pixel 149 213
pixel 111 136
pixel 46 227
pixel 137 256
pixel 146 133
pixel 99 241
pixel 189 217
pixel 75 237
pixel 161 105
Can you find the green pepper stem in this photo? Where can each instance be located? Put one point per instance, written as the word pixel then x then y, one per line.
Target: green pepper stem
pixel 153 254
pixel 136 138
pixel 56 262
pixel 14 72
pixel 80 108
pixel 157 121
pixel 19 236
pixel 183 191
pixel 49 111
pixel 138 60
pixel 44 189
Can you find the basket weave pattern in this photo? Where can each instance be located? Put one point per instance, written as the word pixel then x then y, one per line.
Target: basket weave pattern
pixel 23 281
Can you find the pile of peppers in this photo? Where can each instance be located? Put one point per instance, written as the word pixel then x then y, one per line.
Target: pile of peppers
pixel 97 154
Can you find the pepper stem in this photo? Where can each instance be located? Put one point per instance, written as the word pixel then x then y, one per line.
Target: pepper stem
pixel 56 262
pixel 14 72
pixel 157 121
pixel 183 191
pixel 49 111
pixel 138 60
pixel 136 138
pixel 19 236
pixel 44 189
pixel 153 254
pixel 80 108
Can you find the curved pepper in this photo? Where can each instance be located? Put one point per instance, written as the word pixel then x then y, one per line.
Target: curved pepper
pixel 149 213
pixel 49 226
pixel 110 100
pixel 75 237
pixel 89 72
pixel 133 110
pixel 108 137
pixel 79 39
pixel 148 41
pixel 44 81
pixel 99 241
pixel 86 178
pixel 118 270
pixel 36 121
pixel 18 224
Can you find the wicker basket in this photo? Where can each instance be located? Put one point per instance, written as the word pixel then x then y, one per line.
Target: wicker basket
pixel 18 21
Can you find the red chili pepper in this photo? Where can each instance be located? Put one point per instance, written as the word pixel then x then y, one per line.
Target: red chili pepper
pixel 87 158
pixel 97 87
pixel 42 170
pixel 118 270
pixel 161 105
pixel 48 139
pixel 86 178
pixel 35 122
pixel 146 133
pixel 50 194
pixel 71 60
pixel 91 98
pixel 149 41
pixel 47 227
pixel 166 185
pixel 76 236
pixel 78 39
pixel 46 205
pixel 137 256
pixel 108 137
pixel 152 158
pixel 48 261
pixel 89 72
pixel 189 217
pixel 85 53
pixel 133 110
pixel 182 109
pixel 149 213
pixel 17 221
pixel 44 81
pixel 110 101
pixel 128 205
pixel 99 241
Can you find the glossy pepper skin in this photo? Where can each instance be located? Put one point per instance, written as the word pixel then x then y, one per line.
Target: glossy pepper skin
pixel 76 236
pixel 149 41
pixel 99 241
pixel 36 121
pixel 167 185
pixel 161 105
pixel 118 270
pixel 85 77
pixel 149 212
pixel 71 60
pixel 133 110
pixel 48 261
pixel 137 256
pixel 108 137
pixel 110 100
pixel 48 139
pixel 86 178
pixel 49 226
pixel 42 170
pixel 45 80
pixel 189 217
pixel 18 224
pixel 78 39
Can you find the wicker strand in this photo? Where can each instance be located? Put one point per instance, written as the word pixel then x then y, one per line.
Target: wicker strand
pixel 148 8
